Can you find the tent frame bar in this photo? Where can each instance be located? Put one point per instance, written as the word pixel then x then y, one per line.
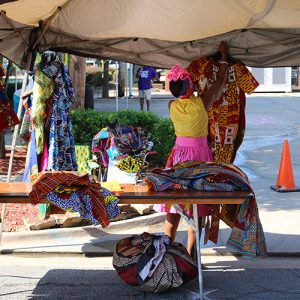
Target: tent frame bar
pixel 10 23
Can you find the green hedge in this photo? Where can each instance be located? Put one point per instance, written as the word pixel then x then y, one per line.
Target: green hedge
pixel 86 123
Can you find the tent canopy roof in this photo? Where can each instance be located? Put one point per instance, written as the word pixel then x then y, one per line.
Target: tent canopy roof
pixel 160 33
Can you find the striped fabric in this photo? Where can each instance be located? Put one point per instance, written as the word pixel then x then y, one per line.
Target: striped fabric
pixel 247 233
pixel 46 182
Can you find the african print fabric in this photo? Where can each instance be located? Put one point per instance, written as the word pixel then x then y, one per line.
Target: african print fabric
pixel 226 123
pixel 61 140
pixel 52 98
pixel 152 263
pixel 83 154
pixel 70 191
pixel 247 233
pixel 42 94
pixel 31 166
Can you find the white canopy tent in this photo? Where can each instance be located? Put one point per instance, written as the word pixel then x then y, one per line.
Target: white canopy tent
pixel 159 33
pixel 261 33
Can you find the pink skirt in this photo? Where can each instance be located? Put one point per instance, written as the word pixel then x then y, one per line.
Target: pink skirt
pixel 188 148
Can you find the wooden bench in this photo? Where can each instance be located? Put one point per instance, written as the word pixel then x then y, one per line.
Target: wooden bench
pixel 138 194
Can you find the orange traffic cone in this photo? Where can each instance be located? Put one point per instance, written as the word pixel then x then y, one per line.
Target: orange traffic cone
pixel 285 181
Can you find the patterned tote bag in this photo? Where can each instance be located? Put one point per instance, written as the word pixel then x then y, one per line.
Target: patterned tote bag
pixel 152 263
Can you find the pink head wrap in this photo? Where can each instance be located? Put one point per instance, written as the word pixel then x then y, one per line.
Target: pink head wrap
pixel 178 73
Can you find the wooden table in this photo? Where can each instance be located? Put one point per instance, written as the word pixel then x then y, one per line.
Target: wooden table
pixel 139 194
pixel 18 192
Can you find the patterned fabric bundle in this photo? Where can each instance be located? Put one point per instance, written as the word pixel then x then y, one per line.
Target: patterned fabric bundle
pixel 247 234
pixel 202 176
pixel 77 193
pixel 151 263
pixel 129 139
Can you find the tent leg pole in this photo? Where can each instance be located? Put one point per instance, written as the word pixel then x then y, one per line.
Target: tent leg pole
pixel 198 253
pixel 16 130
pixel 117 86
pixel 126 84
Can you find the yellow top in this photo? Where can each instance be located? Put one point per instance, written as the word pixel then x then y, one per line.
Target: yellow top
pixel 189 117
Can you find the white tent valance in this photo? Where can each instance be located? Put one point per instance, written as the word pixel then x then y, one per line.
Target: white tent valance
pixel 261 33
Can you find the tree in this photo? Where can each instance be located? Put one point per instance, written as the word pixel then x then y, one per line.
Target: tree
pixel 121 79
pixel 105 88
pixel 77 72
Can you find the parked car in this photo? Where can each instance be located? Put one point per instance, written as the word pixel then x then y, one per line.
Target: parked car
pixel 161 76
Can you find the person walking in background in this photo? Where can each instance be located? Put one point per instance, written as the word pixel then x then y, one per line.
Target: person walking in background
pixel 189 116
pixel 145 76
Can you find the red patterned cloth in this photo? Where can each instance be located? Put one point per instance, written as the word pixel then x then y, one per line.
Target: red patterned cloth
pixel 46 182
pixel 226 123
pixel 8 118
pixel 169 263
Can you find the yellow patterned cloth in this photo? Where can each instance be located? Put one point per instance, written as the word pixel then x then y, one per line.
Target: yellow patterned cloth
pixel 132 164
pixel 226 117
pixel 189 117
pixel 83 153
pixel 42 93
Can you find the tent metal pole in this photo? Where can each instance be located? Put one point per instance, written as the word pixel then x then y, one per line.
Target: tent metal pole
pixel 198 253
pixel 16 79
pixel 117 87
pixel 130 80
pixel 126 84
pixel 16 130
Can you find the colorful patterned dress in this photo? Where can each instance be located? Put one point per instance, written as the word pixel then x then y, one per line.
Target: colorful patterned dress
pixel 226 124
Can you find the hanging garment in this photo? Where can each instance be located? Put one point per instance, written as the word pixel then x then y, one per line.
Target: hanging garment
pixel 247 233
pixel 42 95
pixel 31 166
pixel 226 124
pixel 61 140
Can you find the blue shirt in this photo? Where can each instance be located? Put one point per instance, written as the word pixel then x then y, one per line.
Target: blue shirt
pixel 145 75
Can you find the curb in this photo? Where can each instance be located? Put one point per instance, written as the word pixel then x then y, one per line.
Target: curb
pixel 147 220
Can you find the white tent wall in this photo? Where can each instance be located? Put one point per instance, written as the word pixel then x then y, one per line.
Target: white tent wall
pixel 160 33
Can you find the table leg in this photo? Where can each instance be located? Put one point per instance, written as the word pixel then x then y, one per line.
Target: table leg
pixel 198 253
pixel 2 222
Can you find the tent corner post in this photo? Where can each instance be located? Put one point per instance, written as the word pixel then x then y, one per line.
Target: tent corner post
pixel 16 129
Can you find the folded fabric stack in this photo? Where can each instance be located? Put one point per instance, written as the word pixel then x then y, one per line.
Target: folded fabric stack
pixel 76 193
pixel 247 233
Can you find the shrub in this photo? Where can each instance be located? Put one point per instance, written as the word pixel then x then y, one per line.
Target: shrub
pixel 86 123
